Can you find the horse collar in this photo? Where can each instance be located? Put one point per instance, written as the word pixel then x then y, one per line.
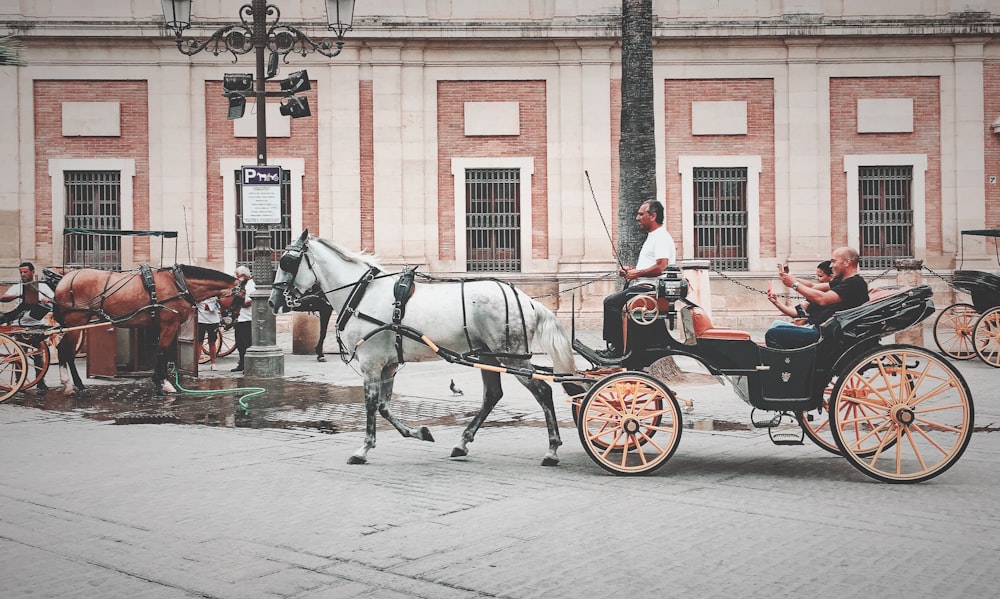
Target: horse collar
pixel 182 287
pixel 357 293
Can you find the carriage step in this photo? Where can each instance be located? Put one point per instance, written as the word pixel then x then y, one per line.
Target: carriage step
pixel 786 435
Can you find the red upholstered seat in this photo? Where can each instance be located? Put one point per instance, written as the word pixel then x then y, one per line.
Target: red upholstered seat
pixel 703 328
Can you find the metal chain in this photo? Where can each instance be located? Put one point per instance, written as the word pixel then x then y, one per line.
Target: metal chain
pixel 580 286
pixel 943 278
pixel 782 295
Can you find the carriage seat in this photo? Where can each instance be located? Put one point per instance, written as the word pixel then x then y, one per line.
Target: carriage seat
pixel 700 327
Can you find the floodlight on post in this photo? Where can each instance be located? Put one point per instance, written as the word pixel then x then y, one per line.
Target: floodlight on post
pixel 295 107
pixel 296 82
pixel 259 30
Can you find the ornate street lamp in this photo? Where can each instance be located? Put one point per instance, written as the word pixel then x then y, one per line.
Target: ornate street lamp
pixel 259 30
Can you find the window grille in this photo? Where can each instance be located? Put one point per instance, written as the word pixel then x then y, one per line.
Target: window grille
pixel 720 217
pixel 280 233
pixel 493 220
pixel 93 201
pixel 886 215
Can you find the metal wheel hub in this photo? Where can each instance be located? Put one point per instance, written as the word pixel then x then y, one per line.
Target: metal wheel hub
pixel 630 424
pixel 903 414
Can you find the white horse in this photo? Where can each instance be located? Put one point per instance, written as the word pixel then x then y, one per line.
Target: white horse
pixel 482 323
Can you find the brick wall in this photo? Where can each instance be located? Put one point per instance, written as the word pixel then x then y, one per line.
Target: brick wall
pixel 367 125
pixel 925 139
pixel 452 143
pixel 759 140
pixel 221 143
pixel 991 102
pixel 133 143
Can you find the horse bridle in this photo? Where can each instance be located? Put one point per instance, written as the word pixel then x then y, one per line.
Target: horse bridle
pixel 290 262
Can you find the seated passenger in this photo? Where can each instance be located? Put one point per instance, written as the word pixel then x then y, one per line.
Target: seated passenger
pixel 846 290
pixel 800 312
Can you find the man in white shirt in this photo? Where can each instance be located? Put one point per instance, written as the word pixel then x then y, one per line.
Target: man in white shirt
pixel 34 302
pixel 658 251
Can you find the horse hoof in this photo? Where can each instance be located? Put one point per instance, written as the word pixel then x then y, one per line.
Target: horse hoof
pixel 69 390
pixel 356 460
pixel 321 358
pixel 425 434
pixel 458 452
pixel 549 461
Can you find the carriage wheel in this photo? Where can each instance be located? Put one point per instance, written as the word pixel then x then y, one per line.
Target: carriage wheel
pixel 13 367
pixel 953 331
pixel 227 344
pixel 986 337
pixel 35 373
pixel 911 414
pixel 619 417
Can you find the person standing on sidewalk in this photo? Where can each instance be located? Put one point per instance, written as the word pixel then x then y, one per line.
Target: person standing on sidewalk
pixel 209 318
pixel 244 334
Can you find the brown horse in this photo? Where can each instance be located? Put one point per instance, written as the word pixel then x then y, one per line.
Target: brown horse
pixel 161 298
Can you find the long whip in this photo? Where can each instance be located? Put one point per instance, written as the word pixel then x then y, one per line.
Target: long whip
pixel 601 214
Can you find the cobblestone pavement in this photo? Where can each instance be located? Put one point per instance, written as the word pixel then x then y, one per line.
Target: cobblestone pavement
pixel 89 509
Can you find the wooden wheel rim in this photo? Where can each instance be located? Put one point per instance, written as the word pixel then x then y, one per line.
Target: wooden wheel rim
pixel 630 423
pixel 986 337
pixel 953 331
pixel 917 415
pixel 13 367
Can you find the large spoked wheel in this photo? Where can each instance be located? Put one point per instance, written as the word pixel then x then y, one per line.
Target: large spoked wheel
pixel 908 415
pixel 986 337
pixel 953 331
pixel 619 417
pixel 13 367
pixel 227 344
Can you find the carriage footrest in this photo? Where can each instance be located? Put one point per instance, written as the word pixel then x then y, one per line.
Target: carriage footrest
pixel 765 418
pixel 786 435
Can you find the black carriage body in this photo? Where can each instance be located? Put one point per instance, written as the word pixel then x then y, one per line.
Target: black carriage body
pixel 779 379
pixel 984 287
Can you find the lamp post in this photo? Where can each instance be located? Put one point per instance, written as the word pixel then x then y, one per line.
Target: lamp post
pixel 259 30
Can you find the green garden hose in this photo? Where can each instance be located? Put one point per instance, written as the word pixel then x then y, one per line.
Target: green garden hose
pixel 248 392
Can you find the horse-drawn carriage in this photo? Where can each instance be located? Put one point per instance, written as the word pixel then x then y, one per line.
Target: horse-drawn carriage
pixel 897 413
pixel 965 330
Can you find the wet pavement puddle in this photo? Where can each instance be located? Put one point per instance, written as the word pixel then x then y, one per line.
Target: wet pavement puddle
pixel 284 404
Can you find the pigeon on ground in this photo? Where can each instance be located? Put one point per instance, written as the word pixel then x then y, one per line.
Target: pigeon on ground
pixel 455 390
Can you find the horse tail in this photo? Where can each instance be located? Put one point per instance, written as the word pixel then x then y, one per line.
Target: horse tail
pixel 554 340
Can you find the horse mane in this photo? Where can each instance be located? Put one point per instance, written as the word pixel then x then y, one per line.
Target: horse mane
pixel 363 258
pixel 209 274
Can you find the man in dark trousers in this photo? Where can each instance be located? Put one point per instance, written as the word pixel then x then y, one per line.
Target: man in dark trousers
pixel 658 251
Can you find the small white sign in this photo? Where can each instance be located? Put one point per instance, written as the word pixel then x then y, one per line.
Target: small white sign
pixel 993 180
pixel 261 191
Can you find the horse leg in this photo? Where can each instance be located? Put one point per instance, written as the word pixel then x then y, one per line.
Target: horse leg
pixel 492 392
pixel 324 322
pixel 68 374
pixel 378 391
pixel 385 394
pixel 167 334
pixel 543 395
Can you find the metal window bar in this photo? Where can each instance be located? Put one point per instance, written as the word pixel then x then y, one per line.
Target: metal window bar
pixel 93 201
pixel 720 217
pixel 886 215
pixel 280 233
pixel 493 220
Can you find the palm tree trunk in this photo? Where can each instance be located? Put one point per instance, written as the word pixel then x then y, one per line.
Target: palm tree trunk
pixel 637 146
